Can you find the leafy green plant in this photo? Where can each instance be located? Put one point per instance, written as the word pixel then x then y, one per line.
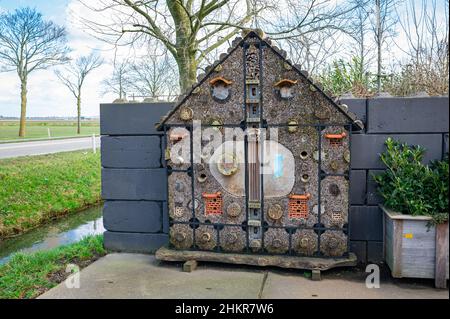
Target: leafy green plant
pixel 344 77
pixel 410 187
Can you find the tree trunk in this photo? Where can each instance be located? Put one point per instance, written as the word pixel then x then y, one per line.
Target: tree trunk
pixel 187 67
pixel 186 46
pixel 79 114
pixel 379 42
pixel 23 107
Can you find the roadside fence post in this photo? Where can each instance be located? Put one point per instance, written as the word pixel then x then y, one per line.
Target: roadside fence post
pixel 94 146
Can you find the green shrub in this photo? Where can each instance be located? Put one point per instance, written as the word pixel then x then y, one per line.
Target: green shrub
pixel 410 187
pixel 344 77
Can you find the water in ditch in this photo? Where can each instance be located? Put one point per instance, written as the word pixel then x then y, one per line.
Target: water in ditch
pixel 66 230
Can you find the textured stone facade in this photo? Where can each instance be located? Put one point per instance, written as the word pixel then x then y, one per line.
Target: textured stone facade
pixel 289 196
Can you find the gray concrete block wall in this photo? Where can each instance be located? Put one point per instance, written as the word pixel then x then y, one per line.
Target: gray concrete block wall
pixel 131 118
pixel 367 147
pixel 408 115
pixel 131 151
pixel 133 180
pixel 416 121
pixel 134 183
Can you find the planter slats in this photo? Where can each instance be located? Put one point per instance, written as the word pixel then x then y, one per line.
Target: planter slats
pixel 414 250
pixel 441 256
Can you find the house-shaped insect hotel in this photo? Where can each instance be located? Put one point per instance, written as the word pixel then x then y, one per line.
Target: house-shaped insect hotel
pixel 258 161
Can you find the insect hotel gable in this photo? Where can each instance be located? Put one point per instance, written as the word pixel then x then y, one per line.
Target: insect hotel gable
pixel 258 160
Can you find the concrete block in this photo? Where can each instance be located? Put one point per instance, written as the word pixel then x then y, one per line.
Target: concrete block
pixel 134 184
pixel 132 118
pixel 133 216
pixel 375 251
pixel 357 106
pixel 360 250
pixel 165 218
pixel 373 198
pixel 134 242
pixel 358 187
pixel 366 223
pixel 366 148
pixel 408 115
pixel 445 144
pixel 131 151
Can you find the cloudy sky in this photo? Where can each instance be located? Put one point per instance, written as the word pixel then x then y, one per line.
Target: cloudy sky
pixel 48 97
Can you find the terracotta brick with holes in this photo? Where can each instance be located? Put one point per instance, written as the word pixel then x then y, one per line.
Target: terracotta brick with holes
pixel 335 139
pixel 213 203
pixel 337 217
pixel 298 206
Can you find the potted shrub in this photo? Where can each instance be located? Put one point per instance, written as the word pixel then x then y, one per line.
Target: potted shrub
pixel 415 213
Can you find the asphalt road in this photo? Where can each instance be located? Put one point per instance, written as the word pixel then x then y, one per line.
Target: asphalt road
pixel 8 150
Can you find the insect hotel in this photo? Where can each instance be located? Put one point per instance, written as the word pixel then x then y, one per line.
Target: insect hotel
pixel 258 165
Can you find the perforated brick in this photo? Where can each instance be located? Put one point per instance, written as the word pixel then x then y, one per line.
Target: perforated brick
pixel 298 206
pixel 213 203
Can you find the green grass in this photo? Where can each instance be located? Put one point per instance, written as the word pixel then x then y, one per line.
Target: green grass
pixel 9 130
pixel 29 275
pixel 35 189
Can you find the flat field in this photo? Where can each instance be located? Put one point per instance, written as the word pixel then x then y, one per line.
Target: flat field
pixel 9 130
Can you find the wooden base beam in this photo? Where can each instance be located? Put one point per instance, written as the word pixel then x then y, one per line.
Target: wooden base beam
pixel 307 263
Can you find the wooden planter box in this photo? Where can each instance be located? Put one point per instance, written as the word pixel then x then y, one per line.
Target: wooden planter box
pixel 413 250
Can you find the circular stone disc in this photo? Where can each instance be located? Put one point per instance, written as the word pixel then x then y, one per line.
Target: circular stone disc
pixel 186 113
pixel 233 210
pixel 275 212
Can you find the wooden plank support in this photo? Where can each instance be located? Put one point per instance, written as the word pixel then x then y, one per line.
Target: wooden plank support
pixel 190 266
pixel 315 275
pixel 308 263
pixel 397 249
pixel 440 276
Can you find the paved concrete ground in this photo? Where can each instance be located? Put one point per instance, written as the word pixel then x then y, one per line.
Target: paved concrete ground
pixel 142 276
pixel 8 150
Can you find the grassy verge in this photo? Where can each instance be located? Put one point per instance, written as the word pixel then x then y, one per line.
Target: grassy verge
pixel 9 130
pixel 35 189
pixel 30 275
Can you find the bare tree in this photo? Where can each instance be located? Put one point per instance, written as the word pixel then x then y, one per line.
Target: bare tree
pixel 119 82
pixel 293 18
pixel 360 25
pixel 182 26
pixel 313 50
pixel 27 44
pixel 425 33
pixel 193 29
pixel 154 75
pixel 383 25
pixel 74 75
pixel 425 25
